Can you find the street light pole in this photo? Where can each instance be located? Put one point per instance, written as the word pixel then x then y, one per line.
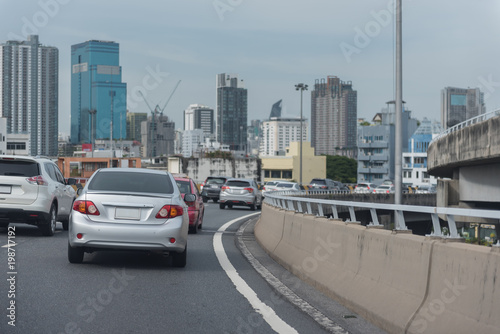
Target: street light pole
pixel 92 113
pixel 302 87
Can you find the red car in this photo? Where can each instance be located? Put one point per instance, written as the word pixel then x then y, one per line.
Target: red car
pixel 197 208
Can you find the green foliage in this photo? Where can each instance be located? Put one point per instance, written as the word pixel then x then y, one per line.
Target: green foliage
pixel 219 154
pixel 341 168
pixel 365 123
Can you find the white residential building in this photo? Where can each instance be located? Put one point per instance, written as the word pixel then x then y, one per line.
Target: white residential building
pixel 278 133
pixel 415 160
pixel 192 141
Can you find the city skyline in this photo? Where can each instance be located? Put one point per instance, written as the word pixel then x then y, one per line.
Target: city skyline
pixel 273 47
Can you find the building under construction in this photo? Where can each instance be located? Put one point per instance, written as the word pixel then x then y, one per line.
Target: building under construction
pixel 158 136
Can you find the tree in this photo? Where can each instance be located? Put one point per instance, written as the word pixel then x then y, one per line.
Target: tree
pixel 341 168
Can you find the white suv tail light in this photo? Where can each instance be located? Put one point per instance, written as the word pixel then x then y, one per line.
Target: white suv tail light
pixel 39 180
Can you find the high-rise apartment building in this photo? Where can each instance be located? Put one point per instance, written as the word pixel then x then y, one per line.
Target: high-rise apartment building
pixel 460 104
pixel 98 95
pixel 232 111
pixel 134 121
pixel 29 75
pixel 198 116
pixel 333 116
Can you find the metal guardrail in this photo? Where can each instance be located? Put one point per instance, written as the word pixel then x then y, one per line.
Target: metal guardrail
pixel 466 123
pixel 285 200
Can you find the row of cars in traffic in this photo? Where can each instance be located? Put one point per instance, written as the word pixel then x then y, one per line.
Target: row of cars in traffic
pixel 125 208
pixel 117 208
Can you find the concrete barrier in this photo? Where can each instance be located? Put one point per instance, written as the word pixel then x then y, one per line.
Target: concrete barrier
pixel 400 282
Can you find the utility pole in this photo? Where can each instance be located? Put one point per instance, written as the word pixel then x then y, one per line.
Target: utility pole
pixel 300 87
pixel 92 113
pixel 112 94
pixel 398 196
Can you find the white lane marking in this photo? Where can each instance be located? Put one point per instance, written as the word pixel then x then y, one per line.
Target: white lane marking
pixel 276 323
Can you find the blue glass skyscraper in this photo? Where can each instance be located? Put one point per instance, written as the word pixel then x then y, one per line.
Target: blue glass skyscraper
pixel 98 95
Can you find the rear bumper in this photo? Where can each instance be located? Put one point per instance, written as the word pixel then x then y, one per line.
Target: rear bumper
pixel 32 217
pixel 210 194
pixel 98 236
pixel 246 200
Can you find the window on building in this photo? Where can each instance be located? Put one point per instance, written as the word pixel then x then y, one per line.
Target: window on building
pixel 276 174
pixel 286 174
pixel 16 146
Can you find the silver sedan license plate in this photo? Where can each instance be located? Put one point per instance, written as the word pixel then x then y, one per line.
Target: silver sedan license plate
pixel 128 213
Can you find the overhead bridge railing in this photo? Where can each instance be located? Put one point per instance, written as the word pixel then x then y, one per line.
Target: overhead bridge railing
pixel 298 202
pixel 470 121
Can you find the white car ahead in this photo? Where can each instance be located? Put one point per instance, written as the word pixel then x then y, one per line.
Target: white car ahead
pixel 33 191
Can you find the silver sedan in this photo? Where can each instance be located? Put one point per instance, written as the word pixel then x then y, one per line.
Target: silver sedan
pixel 131 209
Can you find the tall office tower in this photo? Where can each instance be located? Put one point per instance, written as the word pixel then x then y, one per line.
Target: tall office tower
pixel 232 107
pixel 460 104
pixel 134 121
pixel 197 116
pixel 98 95
pixel 333 116
pixel 29 93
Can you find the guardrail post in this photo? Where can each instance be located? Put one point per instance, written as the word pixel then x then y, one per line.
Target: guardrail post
pixel 309 210
pixel 299 206
pixel 436 226
pixel 320 210
pixel 400 221
pixel 290 205
pixel 373 213
pixel 335 212
pixel 453 227
pixel 352 214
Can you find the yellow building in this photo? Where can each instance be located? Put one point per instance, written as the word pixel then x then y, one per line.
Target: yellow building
pixel 288 167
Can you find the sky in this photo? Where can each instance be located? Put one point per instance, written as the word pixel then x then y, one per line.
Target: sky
pixel 272 46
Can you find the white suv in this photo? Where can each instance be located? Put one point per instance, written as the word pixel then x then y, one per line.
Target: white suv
pixel 33 191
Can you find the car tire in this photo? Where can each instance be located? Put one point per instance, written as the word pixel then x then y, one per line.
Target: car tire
pixel 65 225
pixel 252 207
pixel 222 206
pixel 205 199
pixel 49 228
pixel 215 200
pixel 193 229
pixel 179 259
pixel 201 221
pixel 75 254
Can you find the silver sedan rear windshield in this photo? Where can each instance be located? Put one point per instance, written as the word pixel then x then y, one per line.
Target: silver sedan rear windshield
pixel 132 182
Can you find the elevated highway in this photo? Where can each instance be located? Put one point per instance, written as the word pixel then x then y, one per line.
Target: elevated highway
pixel 468 156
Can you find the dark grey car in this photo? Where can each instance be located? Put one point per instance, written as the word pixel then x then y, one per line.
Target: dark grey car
pixel 210 189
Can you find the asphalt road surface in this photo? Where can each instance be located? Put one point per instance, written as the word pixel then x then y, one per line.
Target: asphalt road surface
pixel 228 286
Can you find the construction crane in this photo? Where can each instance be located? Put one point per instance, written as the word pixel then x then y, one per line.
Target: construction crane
pixel 153 121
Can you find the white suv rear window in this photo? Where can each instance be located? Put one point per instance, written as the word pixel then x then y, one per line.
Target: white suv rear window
pixel 18 168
